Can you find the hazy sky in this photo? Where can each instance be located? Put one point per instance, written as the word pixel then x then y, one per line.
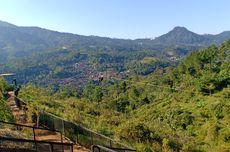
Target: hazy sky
pixel 119 18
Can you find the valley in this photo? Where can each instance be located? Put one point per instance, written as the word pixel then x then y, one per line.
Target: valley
pixel 165 94
pixel 50 58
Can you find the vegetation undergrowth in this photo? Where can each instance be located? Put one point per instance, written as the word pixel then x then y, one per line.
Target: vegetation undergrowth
pixel 186 108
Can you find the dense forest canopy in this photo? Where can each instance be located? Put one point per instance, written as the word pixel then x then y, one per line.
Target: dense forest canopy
pixel 182 108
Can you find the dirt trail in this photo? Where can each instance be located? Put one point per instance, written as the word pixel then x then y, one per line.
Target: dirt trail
pixel 41 135
pixel 19 114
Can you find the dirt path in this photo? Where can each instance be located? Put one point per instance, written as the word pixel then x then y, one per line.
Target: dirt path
pixel 41 135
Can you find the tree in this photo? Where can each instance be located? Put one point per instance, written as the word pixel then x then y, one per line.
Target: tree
pixel 2 85
pixel 97 94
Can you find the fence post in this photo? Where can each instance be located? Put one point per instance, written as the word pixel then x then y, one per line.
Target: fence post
pixel 61 137
pixel 110 142
pixel 62 141
pixel 35 139
pixel 63 127
pixel 38 119
pixel 71 148
pixel 77 135
pixel 51 148
pixel 53 124
pixel 91 134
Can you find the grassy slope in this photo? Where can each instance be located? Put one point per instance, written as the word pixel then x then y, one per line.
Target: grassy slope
pixel 5 113
pixel 186 108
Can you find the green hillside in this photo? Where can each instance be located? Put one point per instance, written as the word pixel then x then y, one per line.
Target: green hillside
pixel 50 58
pixel 78 66
pixel 185 108
pixel 5 112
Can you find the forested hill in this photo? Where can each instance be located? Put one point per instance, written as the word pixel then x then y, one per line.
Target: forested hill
pixel 47 57
pixel 182 36
pixel 185 108
pixel 16 41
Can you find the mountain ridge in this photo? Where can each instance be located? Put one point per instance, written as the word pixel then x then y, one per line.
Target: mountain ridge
pixel 180 35
pixel 59 58
pixel 179 29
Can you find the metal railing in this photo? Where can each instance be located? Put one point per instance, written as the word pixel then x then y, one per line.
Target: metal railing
pixel 123 150
pixel 99 148
pixel 31 132
pixel 26 145
pixel 75 132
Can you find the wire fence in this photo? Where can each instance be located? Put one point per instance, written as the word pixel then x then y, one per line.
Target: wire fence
pixel 75 132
